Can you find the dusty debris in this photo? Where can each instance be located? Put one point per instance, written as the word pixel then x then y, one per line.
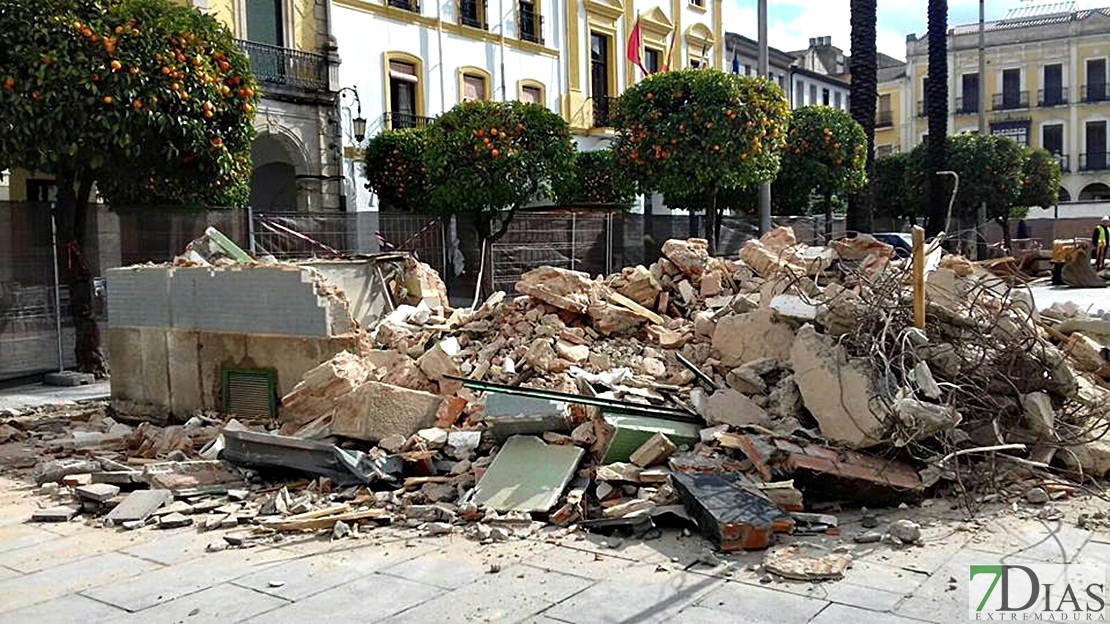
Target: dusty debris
pixel 790 563
pixel 905 531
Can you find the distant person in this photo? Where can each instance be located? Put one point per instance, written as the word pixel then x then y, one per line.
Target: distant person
pixel 1022 230
pixel 1099 240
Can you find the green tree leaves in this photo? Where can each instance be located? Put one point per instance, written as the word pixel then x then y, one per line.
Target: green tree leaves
pixel 826 154
pixel 395 170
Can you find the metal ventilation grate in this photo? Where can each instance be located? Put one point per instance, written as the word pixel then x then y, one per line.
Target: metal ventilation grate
pixel 250 393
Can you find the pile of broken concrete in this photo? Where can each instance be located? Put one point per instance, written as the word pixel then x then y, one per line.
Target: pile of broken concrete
pixel 730 394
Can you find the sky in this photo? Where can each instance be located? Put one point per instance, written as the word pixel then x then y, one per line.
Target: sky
pixel 791 23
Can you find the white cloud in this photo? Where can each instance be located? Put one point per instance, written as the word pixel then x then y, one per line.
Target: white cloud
pixel 793 22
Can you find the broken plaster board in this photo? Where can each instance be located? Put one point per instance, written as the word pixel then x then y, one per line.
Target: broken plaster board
pixel 527 475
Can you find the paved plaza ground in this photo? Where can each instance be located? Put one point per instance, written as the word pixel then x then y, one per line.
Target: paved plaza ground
pixel 72 572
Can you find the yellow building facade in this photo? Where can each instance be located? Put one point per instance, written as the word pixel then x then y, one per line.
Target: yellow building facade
pixel 1046 86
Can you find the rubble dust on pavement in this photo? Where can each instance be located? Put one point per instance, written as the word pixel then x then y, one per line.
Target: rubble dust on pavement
pixel 748 399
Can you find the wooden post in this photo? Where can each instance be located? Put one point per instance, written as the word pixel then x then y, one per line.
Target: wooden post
pixel 918 277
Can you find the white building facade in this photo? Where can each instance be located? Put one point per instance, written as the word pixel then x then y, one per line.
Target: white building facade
pixel 409 63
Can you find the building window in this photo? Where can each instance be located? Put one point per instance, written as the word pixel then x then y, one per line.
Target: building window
pixel 837 99
pixel 812 95
pixel 825 97
pixel 969 94
pixel 264 22
pixel 782 83
pixel 800 93
pixel 885 116
pixel 472 13
pixel 408 5
pixel 1017 130
pixel 1052 140
pixel 1094 158
pixel 698 3
pixel 883 150
pixel 599 78
pixel 404 107
pixel 475 87
pixel 651 60
pixel 1011 96
pixel 695 63
pixel 529 22
pixel 1095 89
pixel 1053 93
pixel 747 69
pixel 532 93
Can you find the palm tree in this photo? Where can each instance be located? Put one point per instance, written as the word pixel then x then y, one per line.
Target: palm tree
pixel 863 67
pixel 936 107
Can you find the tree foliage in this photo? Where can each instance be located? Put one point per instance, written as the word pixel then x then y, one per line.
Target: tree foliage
pixel 990 170
pixel 826 154
pixel 395 169
pixel 897 186
pixel 487 159
pixel 696 133
pixel 596 178
pixel 150 100
pixel 1040 184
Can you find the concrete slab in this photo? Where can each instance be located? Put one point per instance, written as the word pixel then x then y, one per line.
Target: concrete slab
pixel 508 596
pixel 871 597
pixel 170 547
pixel 842 614
pixel 22 397
pixel 377 595
pixel 75 576
pixel 138 505
pixel 7 573
pixel 167 583
pixel 578 562
pixel 527 475
pixel 639 594
pixel 17 536
pixel 1050 542
pixel 761 604
pixel 64 549
pixel 65 610
pixel 301 578
pixel 216 605
pixel 434 569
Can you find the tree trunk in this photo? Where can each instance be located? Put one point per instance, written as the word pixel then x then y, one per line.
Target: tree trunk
pixel 1007 239
pixel 936 105
pixel 72 220
pixel 712 225
pixel 484 285
pixel 863 66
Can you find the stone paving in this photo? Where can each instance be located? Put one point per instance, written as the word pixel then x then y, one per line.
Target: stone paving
pixel 76 573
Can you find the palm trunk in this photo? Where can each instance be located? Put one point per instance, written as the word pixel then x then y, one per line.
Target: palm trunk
pixel 936 105
pixel 863 66
pixel 72 220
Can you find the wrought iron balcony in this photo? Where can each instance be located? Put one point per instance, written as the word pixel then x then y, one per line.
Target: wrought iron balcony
pixel 285 67
pixel 1095 93
pixel 472 13
pixel 1094 161
pixel 408 5
pixel 1010 100
pixel 884 119
pixel 1064 161
pixel 967 105
pixel 1052 97
pixel 401 121
pixel 530 25
pixel 603 105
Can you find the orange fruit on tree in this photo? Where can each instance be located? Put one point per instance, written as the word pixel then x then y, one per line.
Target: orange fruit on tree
pixel 9 82
pixel 137 104
pixel 116 65
pixel 175 86
pixel 107 99
pixel 494 153
pixel 119 30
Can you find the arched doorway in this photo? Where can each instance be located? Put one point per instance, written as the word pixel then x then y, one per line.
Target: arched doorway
pixel 274 188
pixel 1096 191
pixel 276 164
pixel 1064 197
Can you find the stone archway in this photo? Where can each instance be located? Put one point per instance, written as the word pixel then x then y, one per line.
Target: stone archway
pixel 277 162
pixel 1064 196
pixel 1096 191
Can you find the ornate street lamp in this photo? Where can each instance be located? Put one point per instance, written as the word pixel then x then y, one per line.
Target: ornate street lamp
pixel 358 122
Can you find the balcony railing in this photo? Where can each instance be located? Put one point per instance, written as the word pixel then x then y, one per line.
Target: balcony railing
pixel 288 68
pixel 400 121
pixel 1094 161
pixel 530 26
pixel 1065 162
pixel 603 105
pixel 1095 93
pixel 408 5
pixel 1052 97
pixel 884 119
pixel 967 106
pixel 473 13
pixel 1010 100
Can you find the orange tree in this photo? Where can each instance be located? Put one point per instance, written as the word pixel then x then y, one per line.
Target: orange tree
pixel 488 159
pixel 826 155
pixel 148 101
pixel 694 134
pixel 596 178
pixel 395 171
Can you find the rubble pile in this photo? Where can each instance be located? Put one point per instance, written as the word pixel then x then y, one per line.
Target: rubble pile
pixel 730 395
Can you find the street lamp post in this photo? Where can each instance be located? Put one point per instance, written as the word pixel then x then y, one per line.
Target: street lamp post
pixel 764 62
pixel 980 231
pixel 358 122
